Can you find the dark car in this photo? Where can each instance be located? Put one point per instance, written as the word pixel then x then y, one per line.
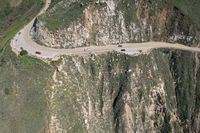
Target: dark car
pixel 37 52
pixel 123 50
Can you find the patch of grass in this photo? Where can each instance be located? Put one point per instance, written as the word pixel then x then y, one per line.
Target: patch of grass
pixel 15 3
pixel 14 17
pixel 53 3
pixel 189 8
pixel 61 18
pixel 11 33
pixel 53 24
pixel 23 102
pixel 128 9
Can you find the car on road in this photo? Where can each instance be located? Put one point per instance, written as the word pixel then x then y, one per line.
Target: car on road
pixel 119 45
pixel 37 52
pixel 123 50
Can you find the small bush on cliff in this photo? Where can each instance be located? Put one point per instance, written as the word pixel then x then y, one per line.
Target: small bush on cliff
pixel 23 52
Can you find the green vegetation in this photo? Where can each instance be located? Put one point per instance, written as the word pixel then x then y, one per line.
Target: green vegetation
pixel 189 8
pixel 14 15
pixel 183 67
pixel 53 3
pixel 22 79
pixel 11 33
pixel 23 102
pixel 106 77
pixel 23 52
pixel 62 17
pixel 127 10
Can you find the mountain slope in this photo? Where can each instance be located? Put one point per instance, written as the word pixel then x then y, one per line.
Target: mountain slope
pixel 157 92
pixel 14 14
pixel 69 24
pixel 23 101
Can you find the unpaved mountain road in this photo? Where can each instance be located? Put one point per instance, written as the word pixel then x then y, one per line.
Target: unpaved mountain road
pixel 22 40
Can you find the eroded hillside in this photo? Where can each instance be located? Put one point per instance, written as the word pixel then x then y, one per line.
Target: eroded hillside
pixel 156 92
pixel 76 23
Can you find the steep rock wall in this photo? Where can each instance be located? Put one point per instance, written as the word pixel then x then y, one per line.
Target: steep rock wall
pixel 106 22
pixel 114 93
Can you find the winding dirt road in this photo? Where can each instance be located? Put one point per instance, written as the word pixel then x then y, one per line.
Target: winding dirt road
pixel 22 40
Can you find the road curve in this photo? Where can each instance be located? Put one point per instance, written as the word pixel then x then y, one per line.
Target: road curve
pixel 22 40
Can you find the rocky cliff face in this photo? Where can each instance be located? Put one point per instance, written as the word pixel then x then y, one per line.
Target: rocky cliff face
pixel 115 93
pixel 112 93
pixel 156 92
pixel 153 92
pixel 106 22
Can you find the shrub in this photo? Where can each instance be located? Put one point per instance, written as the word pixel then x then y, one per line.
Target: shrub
pixel 23 52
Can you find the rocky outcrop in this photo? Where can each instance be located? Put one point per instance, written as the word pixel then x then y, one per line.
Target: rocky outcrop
pixel 113 22
pixel 156 92
pixel 117 93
